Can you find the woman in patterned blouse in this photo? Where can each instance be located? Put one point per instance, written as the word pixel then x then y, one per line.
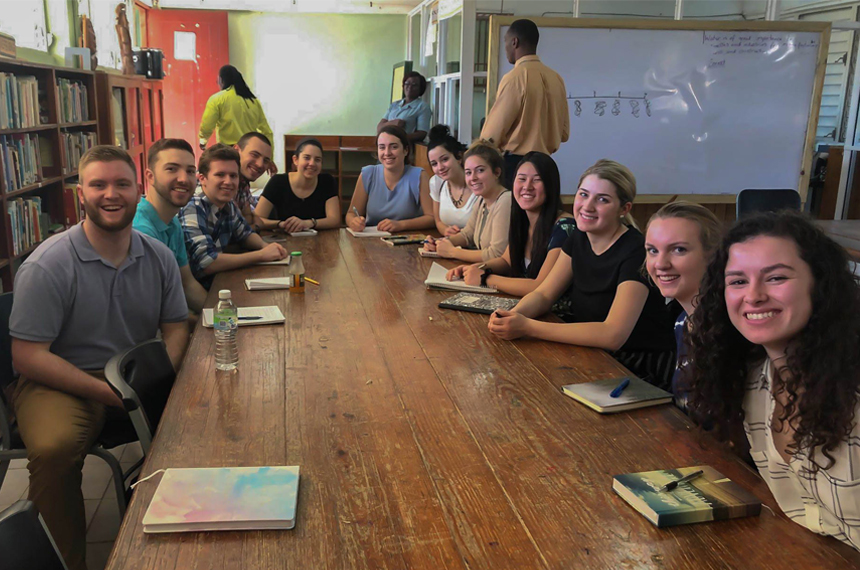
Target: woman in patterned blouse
pixel 774 347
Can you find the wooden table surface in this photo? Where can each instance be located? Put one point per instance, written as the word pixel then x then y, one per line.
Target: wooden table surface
pixel 426 443
pixel 844 232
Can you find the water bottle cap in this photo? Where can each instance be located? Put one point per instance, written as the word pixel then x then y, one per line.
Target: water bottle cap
pixel 296 254
pixel 224 294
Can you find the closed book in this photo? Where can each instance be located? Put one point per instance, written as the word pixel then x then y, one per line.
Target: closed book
pixel 70 207
pixel 404 240
pixel 597 395
pixel 477 303
pixel 225 498
pixel 709 497
pixel 436 279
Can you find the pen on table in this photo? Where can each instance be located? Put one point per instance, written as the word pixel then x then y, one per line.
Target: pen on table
pixel 685 479
pixel 309 280
pixel 250 318
pixel 620 388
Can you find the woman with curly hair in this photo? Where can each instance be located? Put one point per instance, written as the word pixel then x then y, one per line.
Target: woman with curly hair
pixel 774 347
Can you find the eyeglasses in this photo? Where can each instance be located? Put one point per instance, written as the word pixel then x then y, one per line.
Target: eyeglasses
pixel 411 84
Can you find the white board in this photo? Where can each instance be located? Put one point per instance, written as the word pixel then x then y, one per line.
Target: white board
pixel 688 111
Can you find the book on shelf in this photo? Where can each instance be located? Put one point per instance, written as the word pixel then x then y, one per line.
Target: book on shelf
pixel 76 144
pixel 73 212
pixel 72 99
pixel 22 160
pixel 709 497
pixel 22 107
pixel 28 223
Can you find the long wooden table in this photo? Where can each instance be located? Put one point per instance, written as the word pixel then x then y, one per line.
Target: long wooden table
pixel 845 232
pixel 426 443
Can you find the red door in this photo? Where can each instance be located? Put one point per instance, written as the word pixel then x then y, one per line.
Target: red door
pixel 195 47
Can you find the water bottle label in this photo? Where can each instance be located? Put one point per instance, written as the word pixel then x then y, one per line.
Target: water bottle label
pixel 225 324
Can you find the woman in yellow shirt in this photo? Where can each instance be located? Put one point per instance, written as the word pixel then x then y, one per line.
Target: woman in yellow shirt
pixel 233 111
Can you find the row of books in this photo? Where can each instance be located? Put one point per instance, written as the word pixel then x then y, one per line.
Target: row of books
pixel 19 102
pixel 73 211
pixel 21 157
pixel 73 101
pixel 28 222
pixel 76 144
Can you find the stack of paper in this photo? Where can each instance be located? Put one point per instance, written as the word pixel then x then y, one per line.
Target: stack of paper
pixel 249 316
pixel 263 284
pixel 369 232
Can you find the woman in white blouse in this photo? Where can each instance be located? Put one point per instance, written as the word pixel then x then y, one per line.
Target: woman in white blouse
pixel 774 345
pixel 452 199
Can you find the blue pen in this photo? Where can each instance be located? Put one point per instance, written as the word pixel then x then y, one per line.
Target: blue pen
pixel 620 388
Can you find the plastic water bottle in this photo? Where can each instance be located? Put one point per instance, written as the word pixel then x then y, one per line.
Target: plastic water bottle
pixel 226 324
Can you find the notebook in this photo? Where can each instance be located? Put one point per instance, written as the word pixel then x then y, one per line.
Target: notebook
pixel 225 498
pixel 436 280
pixel 304 233
pixel 369 232
pixel 639 394
pixel 268 283
pixel 474 303
pixel 424 253
pixel 284 261
pixel 404 239
pixel 249 316
pixel 709 497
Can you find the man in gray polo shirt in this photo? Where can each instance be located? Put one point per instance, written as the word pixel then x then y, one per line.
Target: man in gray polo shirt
pixel 83 296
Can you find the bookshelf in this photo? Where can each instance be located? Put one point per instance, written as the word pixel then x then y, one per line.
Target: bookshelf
pixel 132 115
pixel 38 156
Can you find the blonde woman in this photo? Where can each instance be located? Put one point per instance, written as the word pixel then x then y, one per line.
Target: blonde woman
pixel 611 303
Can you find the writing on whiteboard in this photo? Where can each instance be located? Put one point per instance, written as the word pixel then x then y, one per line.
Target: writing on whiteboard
pixel 752 43
pixel 635 105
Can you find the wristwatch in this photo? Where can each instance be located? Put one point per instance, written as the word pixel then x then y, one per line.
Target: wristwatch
pixel 487 272
pixel 313 223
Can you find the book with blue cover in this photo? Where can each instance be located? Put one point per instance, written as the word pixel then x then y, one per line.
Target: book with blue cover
pixel 709 497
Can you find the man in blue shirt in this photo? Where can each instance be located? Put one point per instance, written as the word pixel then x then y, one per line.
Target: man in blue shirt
pixel 410 113
pixel 211 221
pixel 171 179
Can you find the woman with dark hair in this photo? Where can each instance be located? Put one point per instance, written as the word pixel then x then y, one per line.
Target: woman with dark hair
pixel 609 302
pixel 485 236
pixel 234 111
pixel 393 195
pixel 774 344
pixel 410 113
pixel 452 199
pixel 538 229
pixel 305 199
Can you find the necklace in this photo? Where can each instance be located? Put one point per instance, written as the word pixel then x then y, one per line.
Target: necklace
pixel 457 201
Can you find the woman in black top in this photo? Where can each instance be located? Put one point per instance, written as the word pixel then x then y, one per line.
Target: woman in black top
pixel 612 304
pixel 305 199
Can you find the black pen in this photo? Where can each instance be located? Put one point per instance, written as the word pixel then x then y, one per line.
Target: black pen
pixel 250 318
pixel 685 479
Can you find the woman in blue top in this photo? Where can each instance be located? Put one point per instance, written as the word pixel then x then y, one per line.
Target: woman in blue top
pixel 394 196
pixel 680 239
pixel 410 113
pixel 538 229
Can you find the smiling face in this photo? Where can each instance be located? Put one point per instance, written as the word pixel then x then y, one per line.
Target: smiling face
pixel 109 194
pixel 529 191
pixel 480 178
pixel 596 207
pixel 254 158
pixel 222 182
pixel 309 161
pixel 391 152
pixel 768 291
pixel 443 162
pixel 412 88
pixel 173 176
pixel 675 258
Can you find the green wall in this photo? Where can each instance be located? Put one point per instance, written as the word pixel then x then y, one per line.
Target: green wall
pixel 318 74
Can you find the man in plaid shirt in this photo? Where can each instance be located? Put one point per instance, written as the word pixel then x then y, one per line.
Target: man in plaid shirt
pixel 211 220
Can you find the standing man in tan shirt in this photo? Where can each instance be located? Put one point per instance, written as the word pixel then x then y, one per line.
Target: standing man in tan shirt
pixel 531 111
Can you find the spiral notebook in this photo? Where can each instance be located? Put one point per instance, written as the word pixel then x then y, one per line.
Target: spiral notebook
pixel 224 498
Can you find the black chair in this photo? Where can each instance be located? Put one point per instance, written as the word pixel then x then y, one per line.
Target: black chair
pixel 11 445
pixel 766 200
pixel 25 543
pixel 142 378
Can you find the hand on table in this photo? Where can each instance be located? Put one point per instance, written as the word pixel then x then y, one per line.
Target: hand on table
pixel 508 325
pixel 294 224
pixel 273 252
pixel 445 248
pixel 456 273
pixel 452 230
pixel 387 225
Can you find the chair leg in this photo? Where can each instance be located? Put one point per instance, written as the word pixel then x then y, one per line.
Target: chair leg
pixel 118 481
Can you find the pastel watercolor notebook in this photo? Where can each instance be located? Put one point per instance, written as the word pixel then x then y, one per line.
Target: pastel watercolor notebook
pixel 710 497
pixel 224 498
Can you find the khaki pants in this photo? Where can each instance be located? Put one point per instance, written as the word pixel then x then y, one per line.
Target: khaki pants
pixel 58 429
